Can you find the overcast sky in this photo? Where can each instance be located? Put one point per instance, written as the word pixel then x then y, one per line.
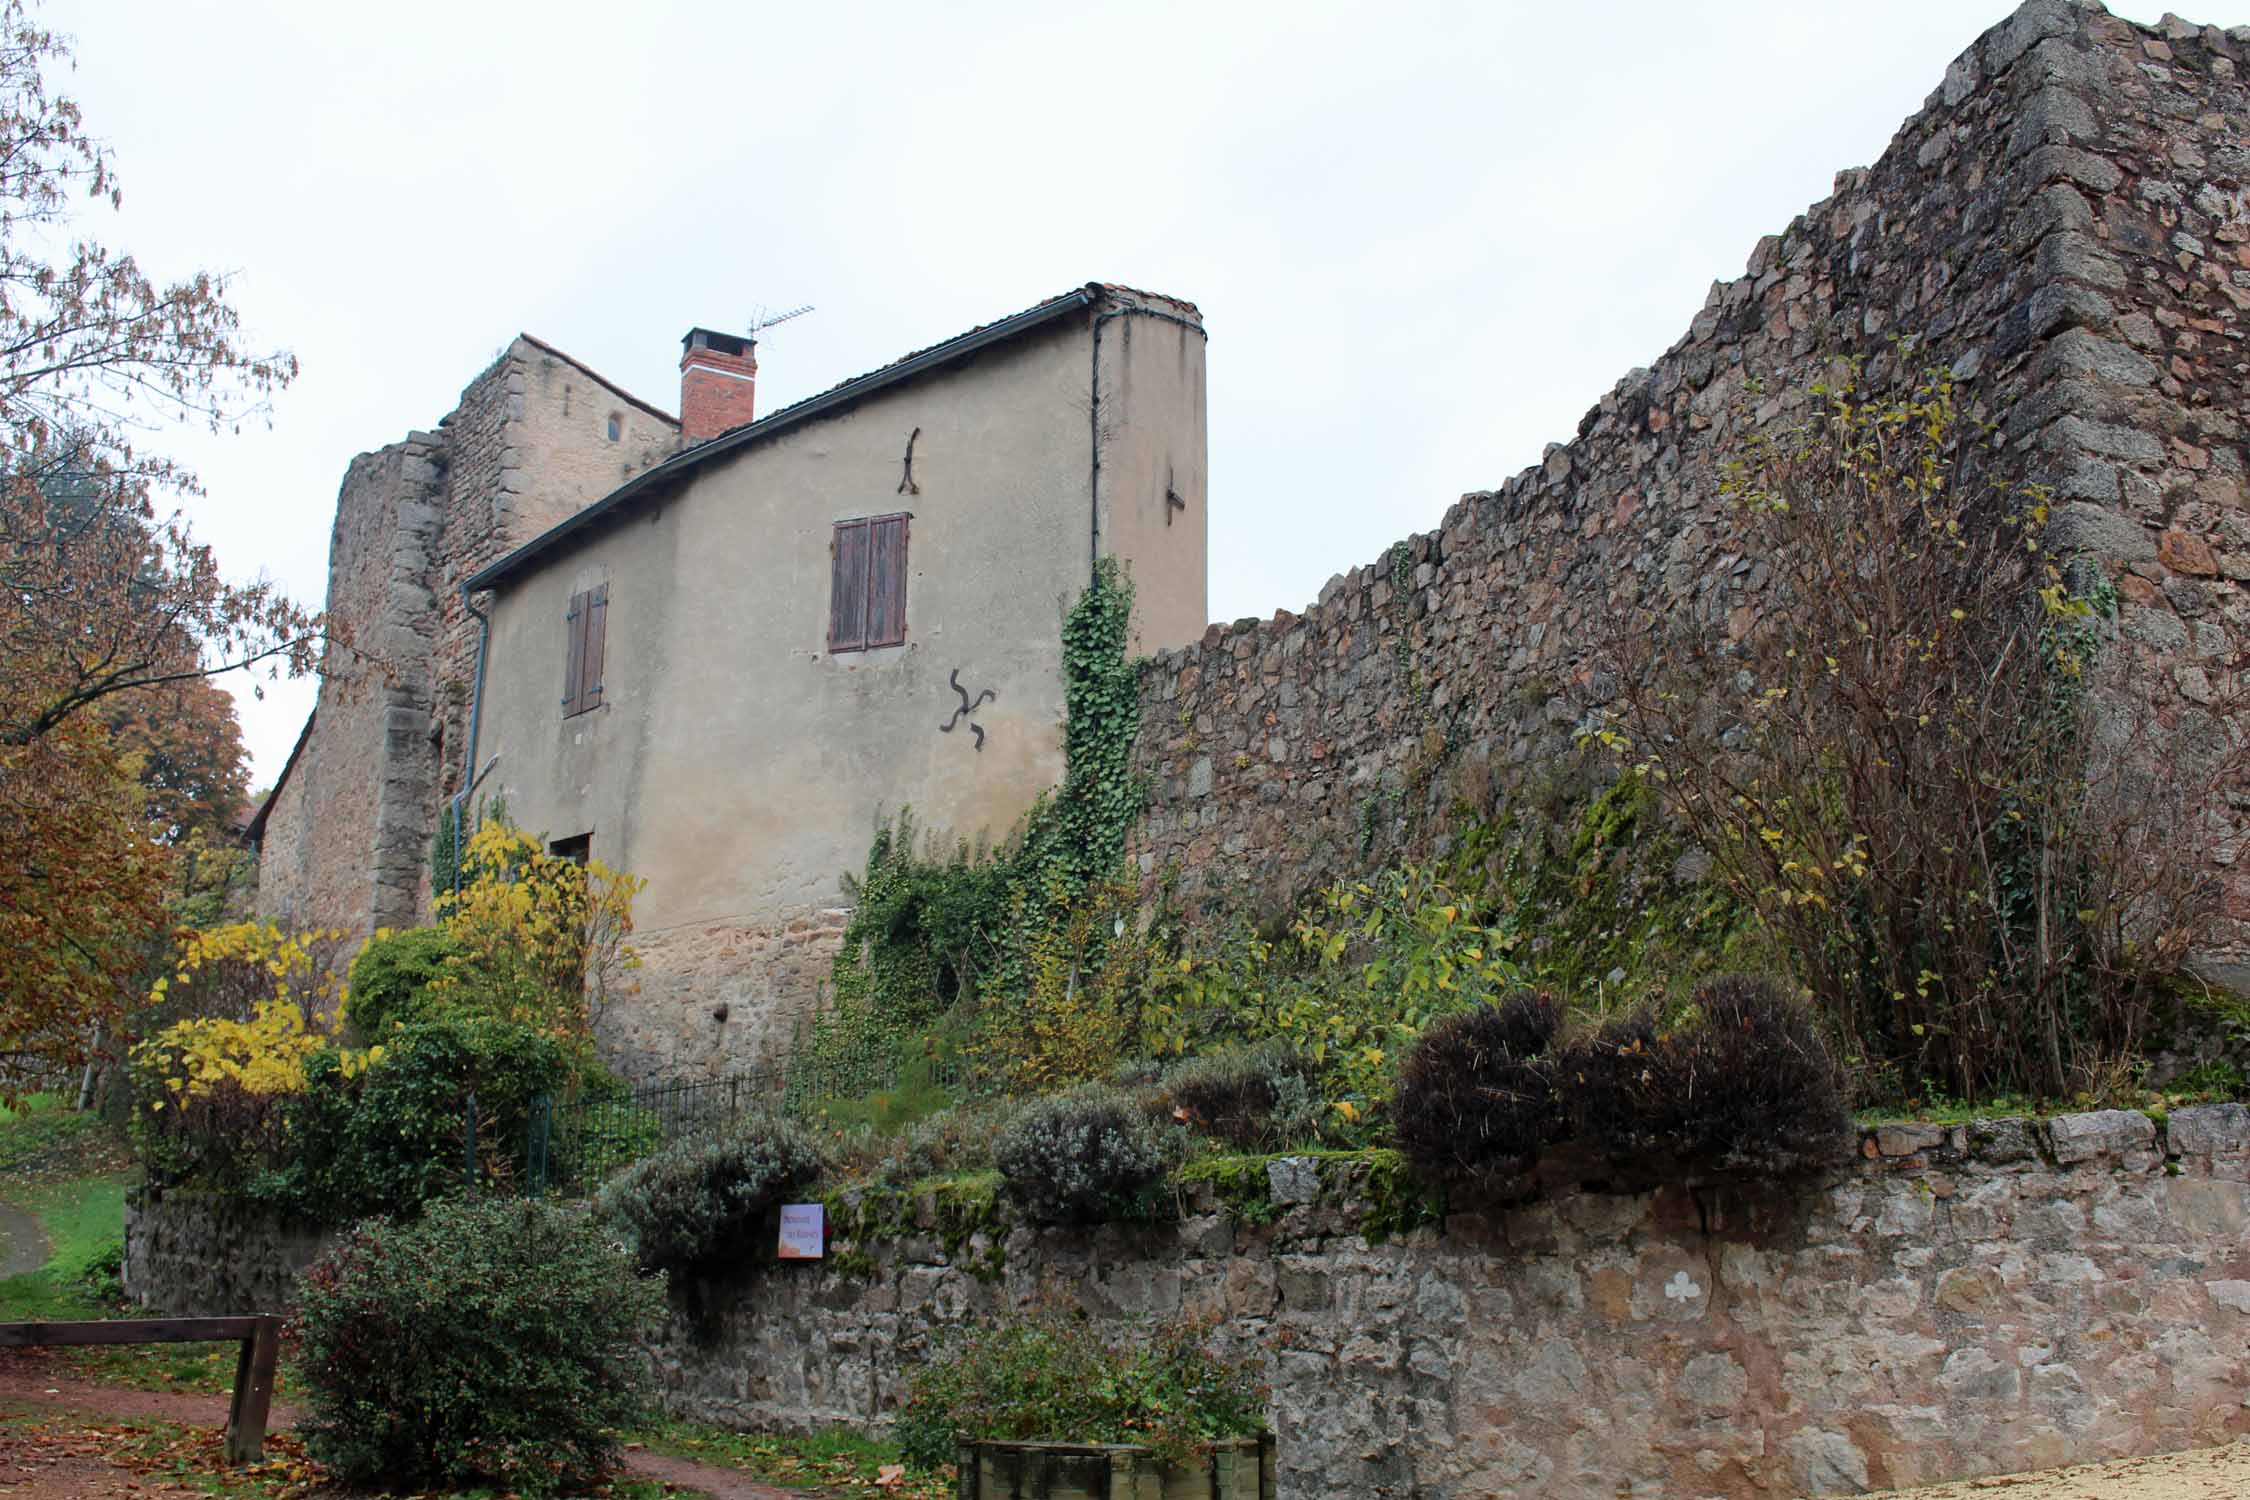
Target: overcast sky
pixel 1425 237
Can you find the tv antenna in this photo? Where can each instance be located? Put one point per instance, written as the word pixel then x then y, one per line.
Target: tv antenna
pixel 762 318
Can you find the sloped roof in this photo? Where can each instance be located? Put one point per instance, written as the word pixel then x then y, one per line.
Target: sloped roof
pixel 623 500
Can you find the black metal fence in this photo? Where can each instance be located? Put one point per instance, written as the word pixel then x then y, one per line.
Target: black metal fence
pixel 571 1146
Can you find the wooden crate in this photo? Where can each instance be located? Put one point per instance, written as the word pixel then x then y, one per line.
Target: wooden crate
pixel 1230 1469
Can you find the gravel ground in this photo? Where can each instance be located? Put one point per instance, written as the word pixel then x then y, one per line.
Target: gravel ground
pixel 2199 1474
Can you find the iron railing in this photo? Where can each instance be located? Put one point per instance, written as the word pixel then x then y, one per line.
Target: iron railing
pixel 572 1146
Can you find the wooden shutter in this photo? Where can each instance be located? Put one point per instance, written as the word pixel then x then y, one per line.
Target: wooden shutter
pixel 574 659
pixel 590 664
pixel 886 582
pixel 847 587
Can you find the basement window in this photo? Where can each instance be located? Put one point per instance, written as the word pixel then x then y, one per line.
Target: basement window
pixel 577 849
pixel 867 584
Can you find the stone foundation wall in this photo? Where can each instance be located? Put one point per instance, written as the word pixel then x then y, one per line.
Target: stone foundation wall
pixel 712 998
pixel 1968 1300
pixel 1964 1300
pixel 205 1255
pixel 2065 224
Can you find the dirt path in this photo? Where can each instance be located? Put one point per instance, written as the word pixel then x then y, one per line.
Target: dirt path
pixel 27 1384
pixel 23 1244
pixel 2199 1474
pixel 718 1483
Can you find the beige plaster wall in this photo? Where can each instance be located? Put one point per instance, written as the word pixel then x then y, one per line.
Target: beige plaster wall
pixel 1154 442
pixel 740 767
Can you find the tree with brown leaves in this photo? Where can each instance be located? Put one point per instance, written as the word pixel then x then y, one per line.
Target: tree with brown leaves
pixel 107 601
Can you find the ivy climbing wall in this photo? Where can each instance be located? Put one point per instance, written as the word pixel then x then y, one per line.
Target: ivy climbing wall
pixel 2065 224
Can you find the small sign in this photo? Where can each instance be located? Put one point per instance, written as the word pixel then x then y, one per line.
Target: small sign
pixel 803 1227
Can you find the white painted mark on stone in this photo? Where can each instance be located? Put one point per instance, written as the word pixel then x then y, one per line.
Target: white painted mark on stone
pixel 1680 1289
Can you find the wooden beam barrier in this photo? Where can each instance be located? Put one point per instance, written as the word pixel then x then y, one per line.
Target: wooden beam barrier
pixel 260 1338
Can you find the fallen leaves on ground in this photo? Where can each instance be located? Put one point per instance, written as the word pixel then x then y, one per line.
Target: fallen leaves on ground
pixel 163 1459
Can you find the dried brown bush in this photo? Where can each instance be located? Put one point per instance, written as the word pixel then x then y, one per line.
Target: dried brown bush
pixel 1926 760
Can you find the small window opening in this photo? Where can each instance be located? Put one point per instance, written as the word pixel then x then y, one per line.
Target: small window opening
pixel 577 849
pixel 616 427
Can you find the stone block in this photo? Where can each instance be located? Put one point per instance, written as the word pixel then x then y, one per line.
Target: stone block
pixel 2003 1141
pixel 2101 1133
pixel 2208 1129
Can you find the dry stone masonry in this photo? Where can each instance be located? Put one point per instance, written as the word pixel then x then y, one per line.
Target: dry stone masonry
pixel 1966 1299
pixel 1970 1299
pixel 345 841
pixel 2065 224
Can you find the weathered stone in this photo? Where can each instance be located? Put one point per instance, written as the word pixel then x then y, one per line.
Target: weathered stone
pixel 1905 1140
pixel 1293 1179
pixel 2103 1132
pixel 2206 1129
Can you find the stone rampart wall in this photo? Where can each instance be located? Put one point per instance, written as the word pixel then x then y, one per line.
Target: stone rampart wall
pixel 2066 224
pixel 1968 1300
pixel 205 1255
pixel 1964 1300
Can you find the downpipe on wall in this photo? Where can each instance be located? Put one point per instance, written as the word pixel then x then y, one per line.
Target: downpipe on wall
pixel 470 776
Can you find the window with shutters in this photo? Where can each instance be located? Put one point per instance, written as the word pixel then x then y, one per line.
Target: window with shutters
pixel 867 584
pixel 585 626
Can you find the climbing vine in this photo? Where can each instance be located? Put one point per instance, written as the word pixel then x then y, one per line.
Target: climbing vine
pixel 935 928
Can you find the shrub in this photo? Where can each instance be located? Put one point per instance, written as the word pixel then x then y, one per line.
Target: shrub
pixel 490 1343
pixel 1477 1093
pixel 1743 1081
pixel 699 1200
pixel 391 977
pixel 1080 1157
pixel 392 1138
pixel 950 1141
pixel 1048 1374
pixel 212 1092
pixel 538 938
pixel 1257 1098
pixel 1978 844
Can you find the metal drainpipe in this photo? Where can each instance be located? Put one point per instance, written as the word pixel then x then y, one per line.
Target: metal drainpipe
pixel 476 719
pixel 1094 423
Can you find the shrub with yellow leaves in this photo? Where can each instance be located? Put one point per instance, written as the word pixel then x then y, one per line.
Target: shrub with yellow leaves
pixel 539 938
pixel 212 1090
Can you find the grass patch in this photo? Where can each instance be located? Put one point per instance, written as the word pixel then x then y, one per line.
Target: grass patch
pixel 69 1171
pixel 84 1221
pixel 839 1461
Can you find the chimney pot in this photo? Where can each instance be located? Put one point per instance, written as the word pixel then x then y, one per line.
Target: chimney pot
pixel 718 382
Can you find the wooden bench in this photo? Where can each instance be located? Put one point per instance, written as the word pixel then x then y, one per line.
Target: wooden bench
pixel 260 1338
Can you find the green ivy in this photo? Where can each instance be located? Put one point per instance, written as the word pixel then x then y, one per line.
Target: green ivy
pixel 931 929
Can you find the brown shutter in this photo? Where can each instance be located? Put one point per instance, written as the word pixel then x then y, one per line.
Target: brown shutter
pixel 847 587
pixel 886 582
pixel 590 668
pixel 574 661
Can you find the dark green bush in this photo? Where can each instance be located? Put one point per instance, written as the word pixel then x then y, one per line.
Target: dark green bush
pixel 394 1137
pixel 697 1203
pixel 1081 1157
pixel 489 1343
pixel 1257 1098
pixel 1048 1374
pixel 1477 1093
pixel 389 977
pixel 1742 1081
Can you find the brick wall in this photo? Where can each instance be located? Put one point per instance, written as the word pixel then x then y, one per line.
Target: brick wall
pixel 2066 223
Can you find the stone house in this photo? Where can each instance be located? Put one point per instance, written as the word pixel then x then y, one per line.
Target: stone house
pixel 714 652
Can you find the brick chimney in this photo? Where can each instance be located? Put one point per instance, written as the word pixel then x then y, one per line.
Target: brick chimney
pixel 718 383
